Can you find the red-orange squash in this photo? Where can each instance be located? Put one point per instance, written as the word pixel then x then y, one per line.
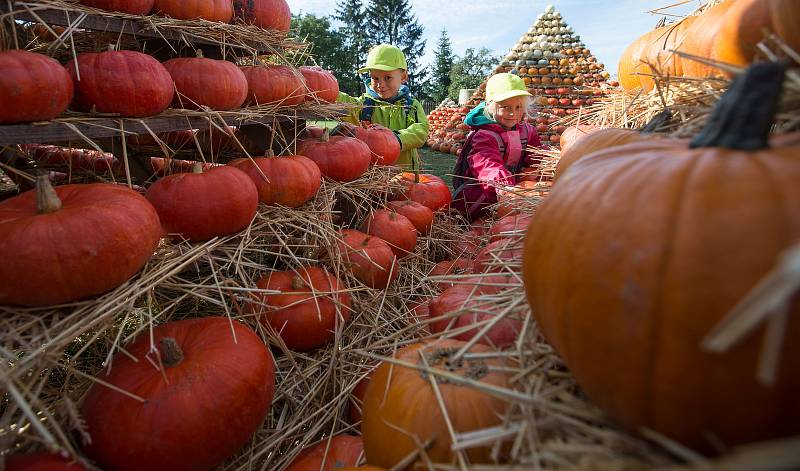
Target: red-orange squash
pixel 510 226
pixel 357 400
pixel 127 83
pixel 321 83
pixel 311 304
pixel 426 189
pixel 596 141
pixel 339 158
pixel 394 228
pixel 701 40
pixel 212 369
pixel 202 205
pixel 420 216
pixel 211 10
pixel 388 423
pixel 133 7
pixel 338 452
pixel 662 260
pixel 42 462
pixel 73 241
pixel 633 72
pixel 498 256
pixel 33 87
pixel 370 259
pixel 267 14
pixel 279 84
pixel 573 133
pixel 289 180
pixel 199 81
pixel 382 142
pixel 454 268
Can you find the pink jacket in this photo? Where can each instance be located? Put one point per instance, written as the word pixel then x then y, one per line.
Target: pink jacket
pixel 484 164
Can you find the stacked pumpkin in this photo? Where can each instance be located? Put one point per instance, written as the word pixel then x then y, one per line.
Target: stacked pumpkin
pixel 448 130
pixel 726 33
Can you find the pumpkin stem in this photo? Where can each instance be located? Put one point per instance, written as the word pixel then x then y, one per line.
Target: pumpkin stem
pixel 197 167
pixel 269 153
pixel 326 135
pixel 298 283
pixel 416 176
pixel 47 200
pixel 171 353
pixel 199 53
pixel 474 369
pixel 744 115
pixel 112 47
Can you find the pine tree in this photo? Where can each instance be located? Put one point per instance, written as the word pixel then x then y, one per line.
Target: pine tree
pixel 442 67
pixel 472 69
pixel 393 22
pixel 328 49
pixel 352 15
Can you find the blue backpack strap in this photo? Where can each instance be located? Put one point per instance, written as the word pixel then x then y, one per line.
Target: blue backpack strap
pixel 367 110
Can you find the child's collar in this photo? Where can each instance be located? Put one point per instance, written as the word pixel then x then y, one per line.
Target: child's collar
pixel 403 93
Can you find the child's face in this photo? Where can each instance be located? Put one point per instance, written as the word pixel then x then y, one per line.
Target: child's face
pixel 388 82
pixel 510 112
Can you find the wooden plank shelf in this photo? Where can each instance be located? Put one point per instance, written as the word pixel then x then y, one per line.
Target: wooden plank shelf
pixel 111 23
pixel 63 130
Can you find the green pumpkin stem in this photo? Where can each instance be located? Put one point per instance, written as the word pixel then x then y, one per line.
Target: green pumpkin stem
pixel 743 117
pixel 171 353
pixel 197 167
pixel 47 200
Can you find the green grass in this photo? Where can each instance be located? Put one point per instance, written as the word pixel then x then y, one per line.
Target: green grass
pixel 437 163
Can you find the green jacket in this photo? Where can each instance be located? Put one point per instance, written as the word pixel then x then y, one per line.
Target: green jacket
pixel 412 130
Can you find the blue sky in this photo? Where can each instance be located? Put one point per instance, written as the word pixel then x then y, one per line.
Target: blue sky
pixel 606 26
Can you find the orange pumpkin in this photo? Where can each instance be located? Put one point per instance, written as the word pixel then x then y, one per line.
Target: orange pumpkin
pixel 631 63
pixel 744 23
pixel 289 180
pixel 339 158
pixel 573 133
pixel 211 10
pixel 596 141
pixel 459 266
pixel 370 259
pixel 667 254
pixel 33 87
pixel 274 83
pixel 322 84
pixel 420 215
pixel 337 452
pixel 41 462
pixel 701 39
pixel 388 423
pixel 394 228
pixel 267 14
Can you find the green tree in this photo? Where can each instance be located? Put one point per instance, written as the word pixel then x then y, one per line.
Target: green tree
pixel 393 22
pixel 328 49
pixel 471 70
pixel 442 67
pixel 352 15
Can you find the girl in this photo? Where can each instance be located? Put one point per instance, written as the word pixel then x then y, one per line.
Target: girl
pixel 496 148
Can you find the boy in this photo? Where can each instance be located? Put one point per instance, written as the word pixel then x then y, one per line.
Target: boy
pixel 388 102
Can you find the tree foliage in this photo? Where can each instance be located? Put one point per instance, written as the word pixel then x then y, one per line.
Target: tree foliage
pixel 393 22
pixel 328 50
pixel 442 68
pixel 352 16
pixel 471 69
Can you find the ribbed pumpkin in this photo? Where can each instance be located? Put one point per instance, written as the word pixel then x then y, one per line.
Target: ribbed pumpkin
pixel 310 303
pixel 199 81
pixel 202 205
pixel 596 141
pixel 321 83
pixel 72 242
pixel 289 180
pixel 74 159
pixel 339 158
pixel 267 14
pixel 401 403
pixel 744 23
pixel 420 215
pixel 701 39
pixel 573 133
pixel 210 370
pixel 370 259
pixel 516 199
pixel 274 84
pixel 133 7
pixel 510 226
pixel 211 10
pixel 682 234
pixel 33 87
pixel 394 228
pixel 454 268
pixel 329 454
pixel 128 83
pixel 41 462
pixel 426 189
pixel 382 143
pixel 631 63
pixel 498 255
pixel 660 52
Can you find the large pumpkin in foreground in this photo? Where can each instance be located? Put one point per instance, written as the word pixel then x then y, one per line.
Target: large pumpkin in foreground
pixel 42 462
pixel 328 454
pixel 73 242
pixel 213 390
pixel 33 87
pixel 639 252
pixel 401 403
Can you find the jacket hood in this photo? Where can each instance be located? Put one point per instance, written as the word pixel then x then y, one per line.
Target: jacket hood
pixel 476 117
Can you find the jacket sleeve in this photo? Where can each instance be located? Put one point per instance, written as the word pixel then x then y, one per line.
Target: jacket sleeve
pixel 486 162
pixel 353 114
pixel 415 135
pixel 532 159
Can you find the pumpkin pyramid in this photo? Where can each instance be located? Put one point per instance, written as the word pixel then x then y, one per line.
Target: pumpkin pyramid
pixel 560 72
pixel 447 126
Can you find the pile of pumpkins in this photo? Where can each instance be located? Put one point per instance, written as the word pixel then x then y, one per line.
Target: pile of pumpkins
pixel 448 131
pixel 267 14
pixel 728 33
pixel 133 84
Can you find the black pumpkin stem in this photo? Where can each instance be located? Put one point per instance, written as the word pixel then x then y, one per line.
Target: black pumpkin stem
pixel 744 115
pixel 171 353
